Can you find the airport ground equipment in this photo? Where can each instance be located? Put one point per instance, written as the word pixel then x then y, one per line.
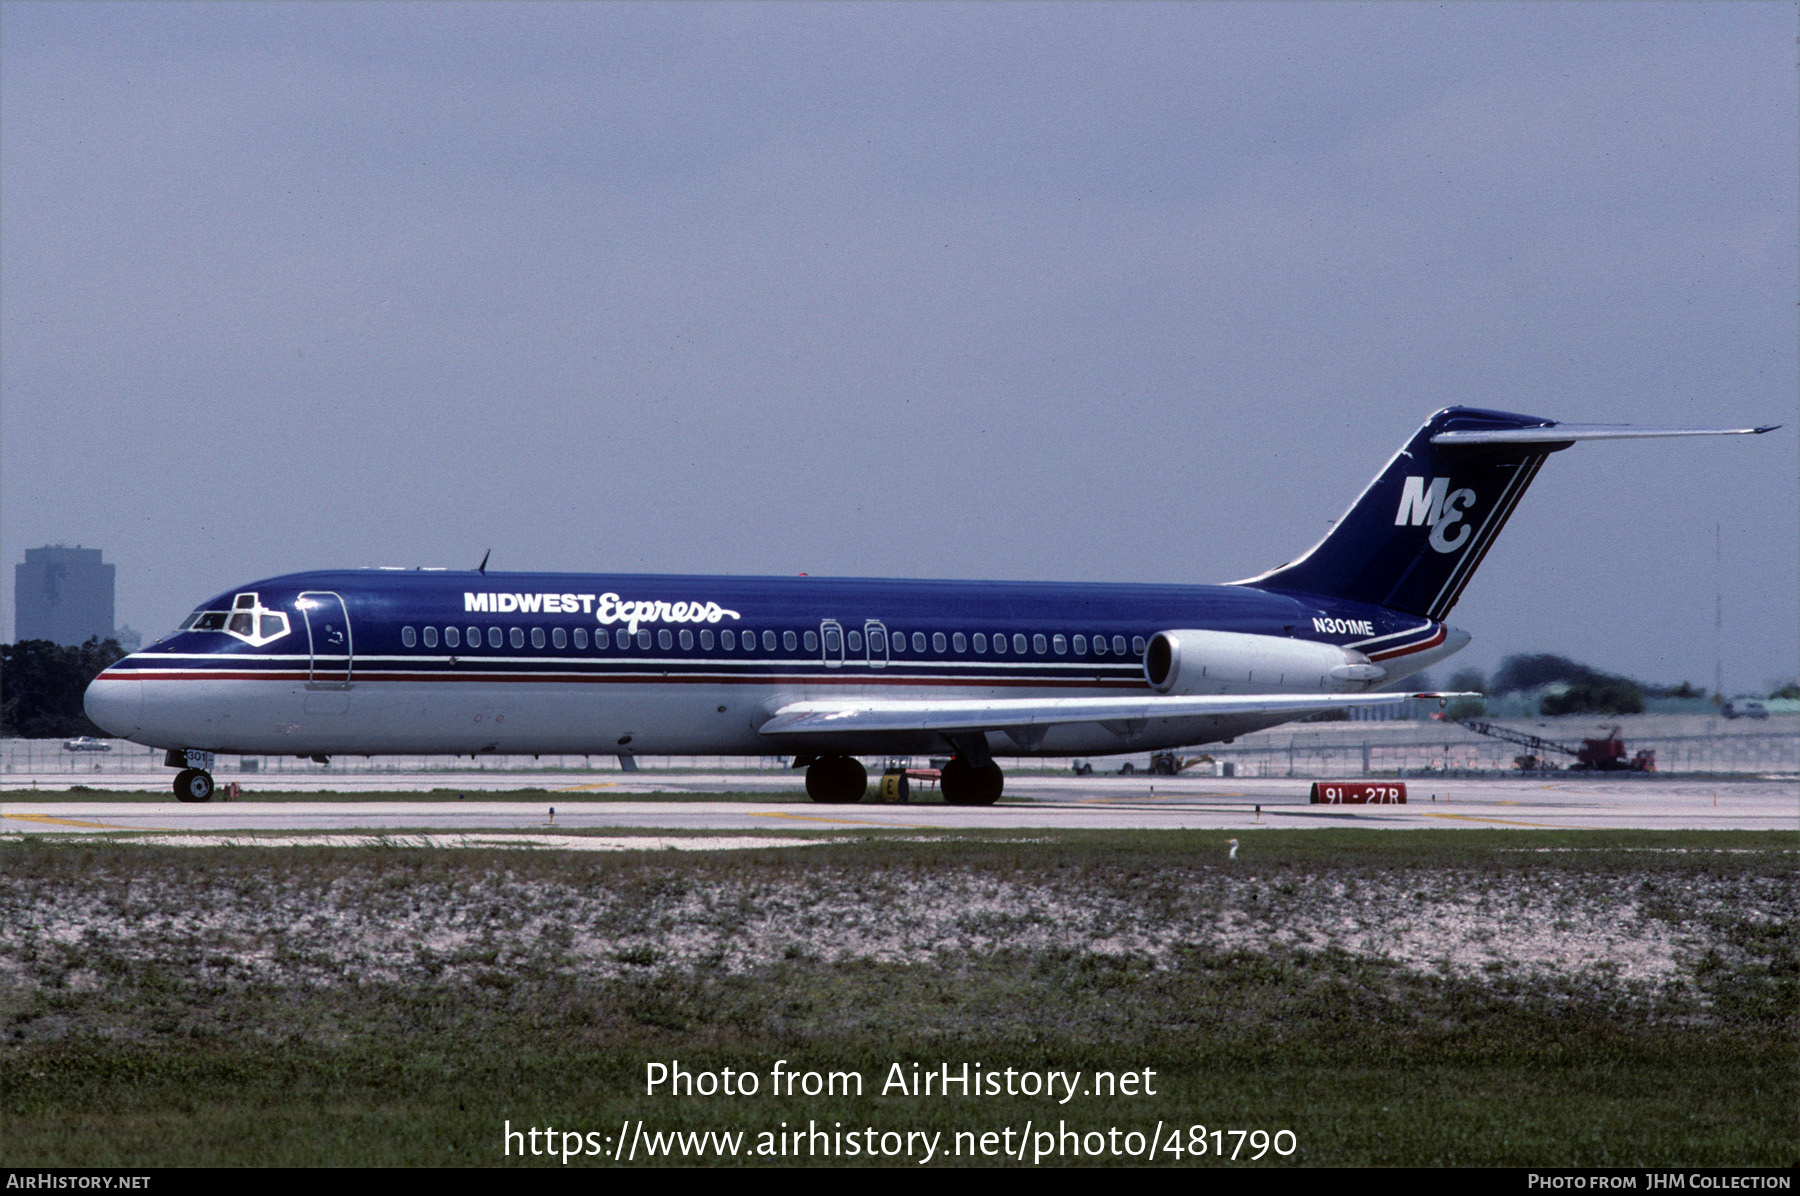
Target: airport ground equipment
pixel 895 786
pixel 1603 753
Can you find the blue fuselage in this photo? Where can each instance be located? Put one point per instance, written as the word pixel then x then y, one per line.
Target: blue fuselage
pixel 389 661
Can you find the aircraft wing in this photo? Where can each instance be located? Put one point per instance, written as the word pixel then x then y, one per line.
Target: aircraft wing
pixel 838 715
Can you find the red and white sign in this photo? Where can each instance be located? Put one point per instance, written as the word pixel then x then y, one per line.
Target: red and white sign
pixel 1359 793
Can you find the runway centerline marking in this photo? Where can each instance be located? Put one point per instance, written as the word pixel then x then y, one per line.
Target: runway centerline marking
pixel 1549 826
pixel 99 826
pixel 906 826
pixel 1178 796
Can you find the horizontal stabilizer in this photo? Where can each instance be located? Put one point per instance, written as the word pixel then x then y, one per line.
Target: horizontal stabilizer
pixel 1564 434
pixel 975 714
pixel 1415 536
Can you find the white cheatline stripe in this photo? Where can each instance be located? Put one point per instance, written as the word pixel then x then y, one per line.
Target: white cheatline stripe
pixel 922 675
pixel 654 665
pixel 1521 476
pixel 1503 511
pixel 249 656
pixel 1427 629
pixel 241 659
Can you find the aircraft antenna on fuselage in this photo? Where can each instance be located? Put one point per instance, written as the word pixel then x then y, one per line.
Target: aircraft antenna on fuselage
pixel 482 568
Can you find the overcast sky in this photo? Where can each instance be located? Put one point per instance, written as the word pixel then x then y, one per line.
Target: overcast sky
pixel 1112 292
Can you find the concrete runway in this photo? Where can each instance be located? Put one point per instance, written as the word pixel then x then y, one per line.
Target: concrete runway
pixel 1033 801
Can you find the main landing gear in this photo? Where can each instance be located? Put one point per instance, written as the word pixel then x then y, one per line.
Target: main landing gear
pixel 193 784
pixel 836 780
pixel 965 784
pixel 841 780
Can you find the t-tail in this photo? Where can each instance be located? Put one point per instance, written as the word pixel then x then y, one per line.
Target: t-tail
pixel 1413 539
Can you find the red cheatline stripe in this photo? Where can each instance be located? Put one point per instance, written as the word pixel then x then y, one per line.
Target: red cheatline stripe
pixel 1433 642
pixel 220 675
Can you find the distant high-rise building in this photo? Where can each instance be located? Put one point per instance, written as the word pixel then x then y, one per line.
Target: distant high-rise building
pixel 63 594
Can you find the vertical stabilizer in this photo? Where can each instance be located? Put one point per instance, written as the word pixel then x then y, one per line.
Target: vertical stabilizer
pixel 1412 540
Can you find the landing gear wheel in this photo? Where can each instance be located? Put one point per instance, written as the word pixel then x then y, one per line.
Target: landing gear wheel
pixel 837 780
pixel 193 784
pixel 964 785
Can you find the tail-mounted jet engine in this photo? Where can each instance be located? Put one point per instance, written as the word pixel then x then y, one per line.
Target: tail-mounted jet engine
pixel 1228 662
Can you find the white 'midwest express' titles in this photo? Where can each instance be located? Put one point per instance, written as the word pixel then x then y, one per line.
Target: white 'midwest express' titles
pixel 607 609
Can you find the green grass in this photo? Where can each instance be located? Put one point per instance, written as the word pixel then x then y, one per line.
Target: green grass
pixel 114 1060
pixel 415 1100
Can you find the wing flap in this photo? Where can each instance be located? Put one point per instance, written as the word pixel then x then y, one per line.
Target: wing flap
pixel 837 716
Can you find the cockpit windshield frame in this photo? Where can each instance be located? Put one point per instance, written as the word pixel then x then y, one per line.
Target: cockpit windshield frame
pixel 247 620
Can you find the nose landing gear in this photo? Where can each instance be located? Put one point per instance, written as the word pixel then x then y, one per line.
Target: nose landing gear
pixel 194 782
pixel 194 785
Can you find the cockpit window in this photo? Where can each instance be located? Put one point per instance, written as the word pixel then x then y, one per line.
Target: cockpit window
pixel 248 620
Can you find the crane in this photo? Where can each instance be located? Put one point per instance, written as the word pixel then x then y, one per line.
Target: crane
pixel 1602 753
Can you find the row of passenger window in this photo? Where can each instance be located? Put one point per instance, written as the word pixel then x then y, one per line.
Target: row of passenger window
pixel 880 641
pixel 1038 645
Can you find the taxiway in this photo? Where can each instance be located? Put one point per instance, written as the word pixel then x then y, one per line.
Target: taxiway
pixel 1033 801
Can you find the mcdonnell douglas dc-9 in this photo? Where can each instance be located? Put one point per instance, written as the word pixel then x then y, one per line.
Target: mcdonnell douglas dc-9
pixel 375 661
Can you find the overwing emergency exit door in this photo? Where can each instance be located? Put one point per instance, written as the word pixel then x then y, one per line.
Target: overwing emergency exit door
pixel 876 636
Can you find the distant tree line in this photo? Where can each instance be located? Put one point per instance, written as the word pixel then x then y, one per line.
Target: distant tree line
pixel 1575 688
pixel 41 685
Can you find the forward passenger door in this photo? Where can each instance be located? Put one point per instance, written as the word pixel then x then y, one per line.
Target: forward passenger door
pixel 328 640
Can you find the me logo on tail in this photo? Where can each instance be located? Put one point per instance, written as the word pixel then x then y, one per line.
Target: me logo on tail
pixel 1438 506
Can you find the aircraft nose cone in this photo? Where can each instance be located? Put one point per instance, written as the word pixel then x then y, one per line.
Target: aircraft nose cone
pixel 116 705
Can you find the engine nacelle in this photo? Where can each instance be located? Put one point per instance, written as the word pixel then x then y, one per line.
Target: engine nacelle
pixel 1220 662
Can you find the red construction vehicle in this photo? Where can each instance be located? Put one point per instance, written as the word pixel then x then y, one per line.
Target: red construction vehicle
pixel 1604 753
pixel 1608 754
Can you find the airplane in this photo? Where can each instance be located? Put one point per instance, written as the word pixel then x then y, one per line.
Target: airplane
pixel 415 661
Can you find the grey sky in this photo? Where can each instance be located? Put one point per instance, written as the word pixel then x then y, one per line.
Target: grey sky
pixel 1114 292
